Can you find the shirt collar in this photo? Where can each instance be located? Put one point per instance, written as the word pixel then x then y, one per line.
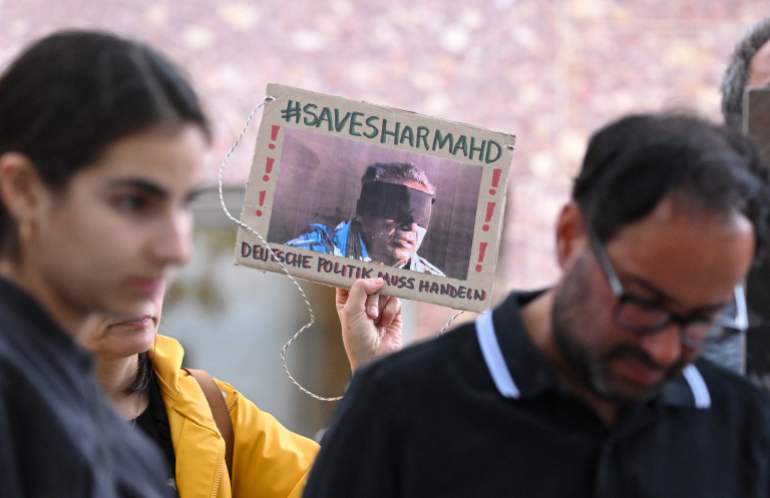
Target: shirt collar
pixel 519 370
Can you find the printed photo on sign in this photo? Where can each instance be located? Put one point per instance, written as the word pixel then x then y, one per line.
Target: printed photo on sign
pixel 375 204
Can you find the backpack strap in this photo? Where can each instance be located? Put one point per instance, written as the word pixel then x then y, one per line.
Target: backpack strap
pixel 216 401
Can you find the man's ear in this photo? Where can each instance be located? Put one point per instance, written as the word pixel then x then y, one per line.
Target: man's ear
pixel 20 187
pixel 570 234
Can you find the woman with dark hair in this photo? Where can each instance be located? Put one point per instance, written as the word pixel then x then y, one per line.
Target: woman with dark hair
pixel 100 153
pixel 101 147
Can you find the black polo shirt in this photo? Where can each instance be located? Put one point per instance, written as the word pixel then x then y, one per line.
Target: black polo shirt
pixel 58 436
pixel 478 413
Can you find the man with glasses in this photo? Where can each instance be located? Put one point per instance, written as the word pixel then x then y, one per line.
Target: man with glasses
pixel 592 387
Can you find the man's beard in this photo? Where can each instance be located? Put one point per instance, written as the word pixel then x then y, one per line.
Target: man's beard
pixel 574 310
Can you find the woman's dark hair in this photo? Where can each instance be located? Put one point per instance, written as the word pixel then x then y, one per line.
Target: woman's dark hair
pixel 736 75
pixel 143 377
pixel 633 163
pixel 72 94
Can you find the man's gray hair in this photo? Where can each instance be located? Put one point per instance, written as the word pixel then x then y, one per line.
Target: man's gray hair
pixel 737 73
pixel 397 173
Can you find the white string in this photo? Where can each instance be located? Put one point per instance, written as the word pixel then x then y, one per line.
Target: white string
pixel 449 322
pixel 264 243
pixel 285 270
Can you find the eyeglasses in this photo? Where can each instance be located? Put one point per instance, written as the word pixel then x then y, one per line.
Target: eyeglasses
pixel 643 316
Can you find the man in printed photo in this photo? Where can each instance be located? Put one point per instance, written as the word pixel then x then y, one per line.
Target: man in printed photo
pixel 392 218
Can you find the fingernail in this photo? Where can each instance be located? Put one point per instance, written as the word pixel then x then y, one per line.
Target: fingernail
pixel 373 312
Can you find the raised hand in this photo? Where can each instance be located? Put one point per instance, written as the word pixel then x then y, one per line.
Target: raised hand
pixel 371 323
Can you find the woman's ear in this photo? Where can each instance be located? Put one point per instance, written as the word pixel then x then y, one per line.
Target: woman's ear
pixel 21 189
pixel 570 234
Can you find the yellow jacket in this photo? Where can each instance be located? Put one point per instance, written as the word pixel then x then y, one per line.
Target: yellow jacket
pixel 269 461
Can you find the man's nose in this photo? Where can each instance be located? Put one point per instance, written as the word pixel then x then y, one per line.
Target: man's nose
pixel 664 346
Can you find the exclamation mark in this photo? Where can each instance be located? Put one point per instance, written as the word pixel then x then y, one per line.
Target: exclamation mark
pixel 273 135
pixel 268 169
pixel 261 201
pixel 482 251
pixel 488 216
pixel 495 180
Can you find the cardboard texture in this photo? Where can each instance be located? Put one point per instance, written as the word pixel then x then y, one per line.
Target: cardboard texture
pixel 305 196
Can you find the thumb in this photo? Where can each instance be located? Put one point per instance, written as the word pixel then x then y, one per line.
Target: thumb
pixel 360 292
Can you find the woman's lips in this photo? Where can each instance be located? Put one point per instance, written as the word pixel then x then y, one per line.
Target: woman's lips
pixel 141 322
pixel 145 322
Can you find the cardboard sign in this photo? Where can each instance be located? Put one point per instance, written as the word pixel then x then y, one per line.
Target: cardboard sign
pixel 344 190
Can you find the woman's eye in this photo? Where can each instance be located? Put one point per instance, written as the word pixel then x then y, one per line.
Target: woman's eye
pixel 187 204
pixel 131 203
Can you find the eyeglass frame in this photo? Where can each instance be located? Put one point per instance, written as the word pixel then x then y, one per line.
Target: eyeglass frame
pixel 729 326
